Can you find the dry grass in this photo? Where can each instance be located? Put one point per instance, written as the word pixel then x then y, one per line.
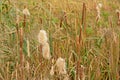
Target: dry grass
pixel 90 48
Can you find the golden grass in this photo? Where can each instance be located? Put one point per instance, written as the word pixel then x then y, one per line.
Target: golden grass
pixel 90 49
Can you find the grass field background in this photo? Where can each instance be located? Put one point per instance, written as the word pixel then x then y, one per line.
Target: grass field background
pixel 93 44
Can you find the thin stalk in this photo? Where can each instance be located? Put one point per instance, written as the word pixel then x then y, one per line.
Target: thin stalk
pixel 21 52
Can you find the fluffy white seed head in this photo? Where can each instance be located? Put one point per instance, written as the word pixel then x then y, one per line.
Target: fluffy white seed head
pixel 26 12
pixel 46 51
pixel 117 11
pixel 100 5
pixel 61 65
pixel 42 37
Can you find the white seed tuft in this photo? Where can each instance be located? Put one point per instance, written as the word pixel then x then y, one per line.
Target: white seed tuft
pixel 26 12
pixel 61 65
pixel 42 37
pixel 46 51
pixel 100 5
pixel 117 11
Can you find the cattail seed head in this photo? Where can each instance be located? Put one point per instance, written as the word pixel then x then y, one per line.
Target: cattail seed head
pixel 98 7
pixel 42 37
pixel 26 12
pixel 117 10
pixel 118 14
pixel 46 51
pixel 61 65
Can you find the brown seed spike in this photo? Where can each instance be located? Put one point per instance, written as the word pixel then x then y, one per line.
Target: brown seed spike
pixel 84 16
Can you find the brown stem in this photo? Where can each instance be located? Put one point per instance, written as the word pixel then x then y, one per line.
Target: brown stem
pixel 21 52
pixel 24 22
pixel 118 13
pixel 77 70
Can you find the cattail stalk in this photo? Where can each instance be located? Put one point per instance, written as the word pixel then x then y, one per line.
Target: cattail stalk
pixel 28 50
pixel 17 23
pixel 17 40
pixel 77 70
pixel 21 45
pixel 118 14
pixel 24 21
pixel 21 52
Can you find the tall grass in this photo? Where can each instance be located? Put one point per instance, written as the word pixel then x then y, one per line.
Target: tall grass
pixel 90 48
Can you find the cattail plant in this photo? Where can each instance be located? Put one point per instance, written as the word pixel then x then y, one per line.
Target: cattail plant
pixel 43 40
pixel 118 14
pixel 26 13
pixel 98 7
pixel 61 66
pixel 79 40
